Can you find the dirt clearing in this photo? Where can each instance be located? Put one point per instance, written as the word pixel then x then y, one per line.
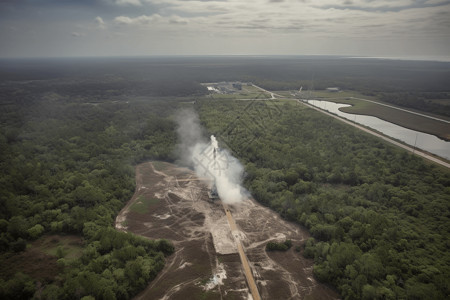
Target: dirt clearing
pixel 170 202
pixel 39 260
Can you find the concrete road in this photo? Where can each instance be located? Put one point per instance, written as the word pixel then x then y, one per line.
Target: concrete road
pixel 273 95
pixel 247 271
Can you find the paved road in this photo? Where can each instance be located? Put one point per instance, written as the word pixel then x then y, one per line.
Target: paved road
pixel 247 271
pixel 271 93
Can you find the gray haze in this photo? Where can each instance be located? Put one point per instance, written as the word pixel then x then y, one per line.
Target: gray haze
pixel 382 28
pixel 208 160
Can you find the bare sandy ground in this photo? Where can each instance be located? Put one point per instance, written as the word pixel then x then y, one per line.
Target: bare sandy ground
pixel 206 264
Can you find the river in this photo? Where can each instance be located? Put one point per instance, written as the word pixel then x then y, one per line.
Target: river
pixel 424 141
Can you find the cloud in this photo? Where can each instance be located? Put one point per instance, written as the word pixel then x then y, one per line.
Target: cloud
pixel 436 2
pixel 178 20
pixel 129 2
pixel 76 34
pixel 100 23
pixel 348 18
pixel 153 19
pixel 294 17
pixel 382 5
pixel 141 20
pixel 232 26
pixel 193 7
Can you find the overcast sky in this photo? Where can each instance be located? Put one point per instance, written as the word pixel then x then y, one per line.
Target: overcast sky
pixel 392 28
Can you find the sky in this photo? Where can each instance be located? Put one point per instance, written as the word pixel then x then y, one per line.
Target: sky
pixel 374 28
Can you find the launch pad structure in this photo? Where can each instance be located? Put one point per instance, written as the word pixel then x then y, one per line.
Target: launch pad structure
pixel 213 197
pixel 213 194
pixel 247 270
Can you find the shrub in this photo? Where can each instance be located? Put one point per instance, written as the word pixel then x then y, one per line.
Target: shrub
pixel 283 246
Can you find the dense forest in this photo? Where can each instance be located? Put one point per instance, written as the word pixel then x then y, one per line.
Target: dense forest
pixel 378 216
pixel 420 85
pixel 66 168
pixel 72 130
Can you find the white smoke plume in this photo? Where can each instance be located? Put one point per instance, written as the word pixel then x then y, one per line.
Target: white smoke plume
pixel 209 160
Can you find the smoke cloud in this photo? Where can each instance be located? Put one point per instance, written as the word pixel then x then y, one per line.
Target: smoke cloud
pixel 209 160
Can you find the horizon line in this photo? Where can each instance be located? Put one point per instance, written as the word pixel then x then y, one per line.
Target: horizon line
pixel 405 58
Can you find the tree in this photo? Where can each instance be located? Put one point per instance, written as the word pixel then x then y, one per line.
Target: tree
pixel 21 286
pixel 35 231
pixel 17 226
pixel 3 225
pixel 19 245
pixel 282 246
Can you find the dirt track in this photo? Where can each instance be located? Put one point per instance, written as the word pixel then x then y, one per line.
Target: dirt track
pixel 170 202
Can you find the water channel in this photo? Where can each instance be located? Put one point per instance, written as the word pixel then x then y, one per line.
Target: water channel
pixel 413 138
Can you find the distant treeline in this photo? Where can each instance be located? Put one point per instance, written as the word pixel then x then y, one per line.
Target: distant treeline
pixel 412 84
pixel 420 101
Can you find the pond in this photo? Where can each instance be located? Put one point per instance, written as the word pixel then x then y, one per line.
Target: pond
pixel 413 138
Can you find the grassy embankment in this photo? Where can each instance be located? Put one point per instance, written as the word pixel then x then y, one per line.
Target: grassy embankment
pixel 399 117
pixel 40 259
pixel 143 203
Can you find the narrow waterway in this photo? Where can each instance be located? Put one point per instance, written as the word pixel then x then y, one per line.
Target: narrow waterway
pixel 424 141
